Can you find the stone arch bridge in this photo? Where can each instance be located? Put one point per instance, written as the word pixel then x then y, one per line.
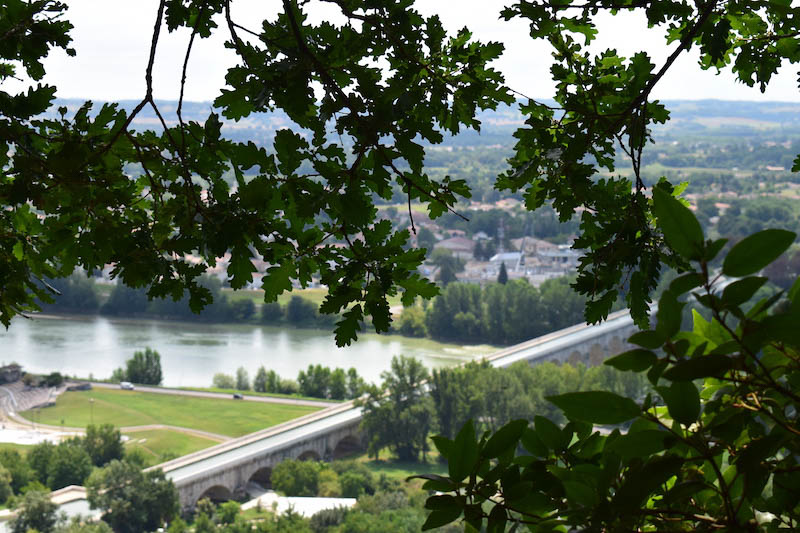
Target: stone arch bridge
pixel 224 470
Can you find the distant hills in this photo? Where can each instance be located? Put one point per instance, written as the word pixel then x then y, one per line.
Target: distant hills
pixel 689 118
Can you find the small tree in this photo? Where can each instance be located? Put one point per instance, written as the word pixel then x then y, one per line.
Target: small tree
pixel 296 478
pixel 502 277
pixel 300 312
pixel 242 379
pixel 70 464
pixel 144 367
pixel 273 382
pixel 355 384
pixel 398 415
pixel 5 485
pixel 243 310
pixel 36 513
pixel 315 381
pixel 260 381
pixel 103 443
pixel 223 381
pixel 132 501
pixel 337 386
pixel 272 313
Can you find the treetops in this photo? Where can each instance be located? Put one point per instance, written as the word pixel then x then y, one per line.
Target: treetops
pixel 389 83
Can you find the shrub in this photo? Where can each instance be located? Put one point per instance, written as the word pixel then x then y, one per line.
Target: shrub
pixel 296 478
pixel 272 313
pixel 224 381
pixel 327 519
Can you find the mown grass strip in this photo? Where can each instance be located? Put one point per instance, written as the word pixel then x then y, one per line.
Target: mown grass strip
pixel 135 408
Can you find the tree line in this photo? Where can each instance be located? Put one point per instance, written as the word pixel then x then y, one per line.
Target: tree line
pixel 500 314
pixel 403 412
pixel 316 381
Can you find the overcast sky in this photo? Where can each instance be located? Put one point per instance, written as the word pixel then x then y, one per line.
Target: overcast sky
pixel 112 41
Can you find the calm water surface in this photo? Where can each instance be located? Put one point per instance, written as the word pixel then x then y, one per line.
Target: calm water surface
pixel 191 353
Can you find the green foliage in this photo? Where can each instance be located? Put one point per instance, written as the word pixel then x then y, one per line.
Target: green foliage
pixel 242 379
pixel 315 381
pixel 327 519
pixel 260 382
pixel 412 322
pixel 337 384
pixel 223 381
pixel 355 478
pixel 21 472
pixel 35 513
pixel 272 313
pixel 132 501
pixel 144 367
pixel 103 443
pixel 69 464
pixel 308 204
pixel 399 414
pixel 502 314
pixel 715 448
pixel 502 276
pixel 296 478
pixel 5 485
pixel 75 294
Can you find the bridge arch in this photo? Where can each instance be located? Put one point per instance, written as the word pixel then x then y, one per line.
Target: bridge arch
pixel 217 494
pixel 348 445
pixel 597 354
pixel 262 476
pixel 309 455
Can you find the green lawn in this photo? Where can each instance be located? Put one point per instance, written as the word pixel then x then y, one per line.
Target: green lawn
pixel 134 408
pixel 393 468
pixel 21 448
pixel 158 446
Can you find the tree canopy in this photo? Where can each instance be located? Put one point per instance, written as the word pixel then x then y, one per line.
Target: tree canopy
pixel 364 98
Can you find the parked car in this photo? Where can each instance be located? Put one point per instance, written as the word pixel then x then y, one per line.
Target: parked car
pixel 126 385
pixel 238 396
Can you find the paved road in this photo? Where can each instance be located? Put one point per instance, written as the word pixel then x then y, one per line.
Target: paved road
pixel 221 395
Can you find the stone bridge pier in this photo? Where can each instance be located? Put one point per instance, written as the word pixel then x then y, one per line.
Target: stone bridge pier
pixel 222 481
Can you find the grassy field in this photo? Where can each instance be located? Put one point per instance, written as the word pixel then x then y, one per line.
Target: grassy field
pixel 158 446
pixel 387 464
pixel 21 448
pixel 133 408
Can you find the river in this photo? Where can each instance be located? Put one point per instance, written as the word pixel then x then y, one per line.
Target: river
pixel 191 353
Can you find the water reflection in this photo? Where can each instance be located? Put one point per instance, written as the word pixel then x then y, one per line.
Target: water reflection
pixel 191 353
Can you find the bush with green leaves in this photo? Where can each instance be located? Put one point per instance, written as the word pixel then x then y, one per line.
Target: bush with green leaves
pixel 35 513
pixel 131 500
pixel 297 478
pixel 223 381
pixel 716 447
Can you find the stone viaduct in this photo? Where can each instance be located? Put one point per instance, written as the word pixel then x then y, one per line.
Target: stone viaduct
pixel 224 470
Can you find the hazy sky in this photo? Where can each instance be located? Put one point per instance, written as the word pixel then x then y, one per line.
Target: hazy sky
pixel 112 40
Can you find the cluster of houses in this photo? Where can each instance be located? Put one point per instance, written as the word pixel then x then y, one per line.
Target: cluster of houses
pixel 534 259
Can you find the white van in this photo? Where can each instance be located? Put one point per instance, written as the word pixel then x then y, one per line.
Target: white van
pixel 126 385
